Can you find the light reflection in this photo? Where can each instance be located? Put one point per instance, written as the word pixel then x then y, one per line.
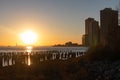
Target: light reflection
pixel 29 50
pixel 29 62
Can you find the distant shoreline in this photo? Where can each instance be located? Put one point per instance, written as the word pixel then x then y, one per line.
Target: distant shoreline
pixel 68 46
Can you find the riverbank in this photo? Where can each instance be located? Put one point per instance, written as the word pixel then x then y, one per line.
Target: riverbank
pixel 96 64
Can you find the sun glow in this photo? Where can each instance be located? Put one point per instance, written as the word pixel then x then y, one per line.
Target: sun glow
pixel 29 37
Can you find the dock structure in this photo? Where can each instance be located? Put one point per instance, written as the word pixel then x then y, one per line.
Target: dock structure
pixel 11 57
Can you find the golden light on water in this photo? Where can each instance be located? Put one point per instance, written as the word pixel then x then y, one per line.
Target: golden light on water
pixel 29 37
pixel 29 50
pixel 29 61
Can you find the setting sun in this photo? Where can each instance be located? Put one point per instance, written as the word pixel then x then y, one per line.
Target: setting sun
pixel 29 37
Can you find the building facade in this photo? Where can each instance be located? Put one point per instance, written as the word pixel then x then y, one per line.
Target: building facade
pixel 109 25
pixel 91 36
pixel 85 40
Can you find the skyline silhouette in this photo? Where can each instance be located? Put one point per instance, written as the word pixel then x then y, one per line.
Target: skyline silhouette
pixel 42 40
pixel 55 22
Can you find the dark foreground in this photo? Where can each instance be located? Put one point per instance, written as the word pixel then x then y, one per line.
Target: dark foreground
pixel 73 69
pixel 99 63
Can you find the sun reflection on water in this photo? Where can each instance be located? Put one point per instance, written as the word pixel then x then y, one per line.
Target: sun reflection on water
pixel 29 62
pixel 29 50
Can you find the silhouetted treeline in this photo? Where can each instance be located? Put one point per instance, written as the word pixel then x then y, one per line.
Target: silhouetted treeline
pixel 103 53
pixel 67 44
pixel 101 62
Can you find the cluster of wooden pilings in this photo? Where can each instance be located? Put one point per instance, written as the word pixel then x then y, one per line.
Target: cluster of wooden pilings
pixel 8 58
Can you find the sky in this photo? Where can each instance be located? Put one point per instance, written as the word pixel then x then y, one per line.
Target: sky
pixel 54 21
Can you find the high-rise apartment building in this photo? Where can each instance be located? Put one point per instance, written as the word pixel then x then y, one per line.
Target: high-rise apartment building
pixel 109 24
pixel 91 32
pixel 85 41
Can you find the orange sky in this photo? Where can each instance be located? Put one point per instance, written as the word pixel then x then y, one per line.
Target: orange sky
pixel 45 36
pixel 54 21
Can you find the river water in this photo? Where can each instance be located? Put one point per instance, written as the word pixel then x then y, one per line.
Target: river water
pixel 13 55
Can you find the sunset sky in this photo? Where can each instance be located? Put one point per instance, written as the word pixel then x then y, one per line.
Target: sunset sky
pixel 54 21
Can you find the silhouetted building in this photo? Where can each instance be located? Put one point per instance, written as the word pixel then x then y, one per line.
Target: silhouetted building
pixel 85 41
pixel 91 32
pixel 67 44
pixel 87 24
pixel 71 44
pixel 109 25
